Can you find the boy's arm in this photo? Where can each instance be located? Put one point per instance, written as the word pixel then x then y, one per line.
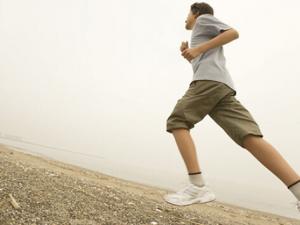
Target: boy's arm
pixel 221 39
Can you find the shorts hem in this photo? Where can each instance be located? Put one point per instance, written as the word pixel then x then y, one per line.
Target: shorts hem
pixel 169 129
pixel 250 133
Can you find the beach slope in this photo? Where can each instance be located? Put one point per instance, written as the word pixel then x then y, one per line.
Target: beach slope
pixel 37 190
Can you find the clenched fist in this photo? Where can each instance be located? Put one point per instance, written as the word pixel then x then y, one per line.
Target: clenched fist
pixel 189 53
pixel 184 45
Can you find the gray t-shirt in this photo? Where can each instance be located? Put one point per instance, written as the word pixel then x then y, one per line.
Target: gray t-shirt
pixel 209 65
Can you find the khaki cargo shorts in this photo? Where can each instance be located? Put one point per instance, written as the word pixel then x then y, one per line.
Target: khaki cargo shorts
pixel 218 101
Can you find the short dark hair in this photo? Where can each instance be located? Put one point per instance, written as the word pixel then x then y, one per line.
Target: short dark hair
pixel 201 8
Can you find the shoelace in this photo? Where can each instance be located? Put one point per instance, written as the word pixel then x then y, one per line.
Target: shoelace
pixel 183 190
pixel 187 190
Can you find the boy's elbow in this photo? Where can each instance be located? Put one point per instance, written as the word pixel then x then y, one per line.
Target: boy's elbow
pixel 236 34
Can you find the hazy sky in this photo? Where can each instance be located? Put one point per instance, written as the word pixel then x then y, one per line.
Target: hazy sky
pixel 103 76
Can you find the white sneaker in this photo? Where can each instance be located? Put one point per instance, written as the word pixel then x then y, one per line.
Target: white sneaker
pixel 189 195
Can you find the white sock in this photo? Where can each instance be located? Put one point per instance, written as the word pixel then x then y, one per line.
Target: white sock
pixel 196 179
pixel 295 189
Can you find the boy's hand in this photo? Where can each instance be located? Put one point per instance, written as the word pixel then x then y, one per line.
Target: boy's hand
pixel 191 53
pixel 184 45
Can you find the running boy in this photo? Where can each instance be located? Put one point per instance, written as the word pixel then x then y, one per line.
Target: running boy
pixel 212 92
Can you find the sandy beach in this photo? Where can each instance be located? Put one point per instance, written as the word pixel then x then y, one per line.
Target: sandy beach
pixel 37 190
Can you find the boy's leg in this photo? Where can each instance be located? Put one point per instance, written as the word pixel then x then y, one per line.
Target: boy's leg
pixel 187 149
pixel 239 124
pixel 196 191
pixel 271 159
pixel 192 107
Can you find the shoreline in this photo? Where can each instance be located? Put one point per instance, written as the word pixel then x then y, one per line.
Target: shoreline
pixel 52 192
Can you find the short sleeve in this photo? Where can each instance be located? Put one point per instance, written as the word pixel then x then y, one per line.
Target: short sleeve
pixel 210 25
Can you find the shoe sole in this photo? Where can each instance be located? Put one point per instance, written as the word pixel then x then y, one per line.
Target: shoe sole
pixel 207 198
